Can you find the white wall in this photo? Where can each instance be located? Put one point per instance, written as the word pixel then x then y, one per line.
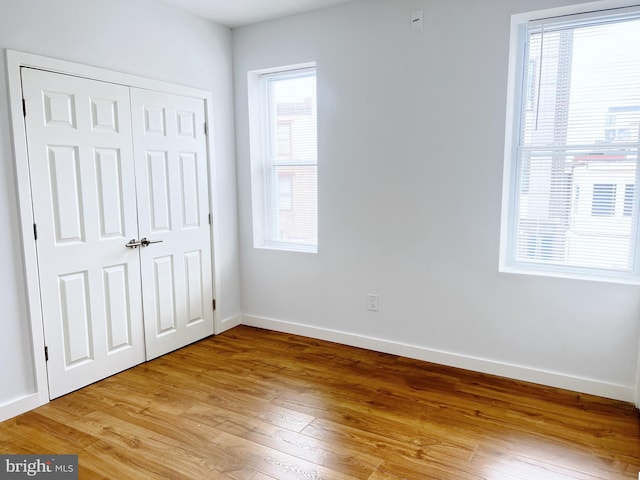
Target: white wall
pixel 411 138
pixel 140 37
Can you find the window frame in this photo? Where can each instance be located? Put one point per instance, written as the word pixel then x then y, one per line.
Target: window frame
pixel 261 161
pixel 516 96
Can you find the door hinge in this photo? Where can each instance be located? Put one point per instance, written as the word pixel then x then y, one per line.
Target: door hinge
pixel 205 128
pixel 46 353
pixel 210 219
pixel 24 107
pixel 35 231
pixel 214 303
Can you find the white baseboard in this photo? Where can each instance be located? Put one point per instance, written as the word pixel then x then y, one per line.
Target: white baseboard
pixel 553 379
pixel 229 323
pixel 20 405
pixel 584 385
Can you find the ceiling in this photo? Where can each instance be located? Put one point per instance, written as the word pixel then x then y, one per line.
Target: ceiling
pixel 236 13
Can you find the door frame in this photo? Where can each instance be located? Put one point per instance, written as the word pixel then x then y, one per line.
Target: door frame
pixel 15 60
pixel 637 389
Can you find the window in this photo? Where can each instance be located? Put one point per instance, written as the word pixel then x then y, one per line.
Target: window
pixel 572 143
pixel 283 130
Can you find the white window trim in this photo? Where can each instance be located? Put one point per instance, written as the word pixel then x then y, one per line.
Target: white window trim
pixel 513 113
pixel 256 134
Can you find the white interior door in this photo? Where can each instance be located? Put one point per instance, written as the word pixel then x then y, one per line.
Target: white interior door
pixel 173 198
pixel 84 201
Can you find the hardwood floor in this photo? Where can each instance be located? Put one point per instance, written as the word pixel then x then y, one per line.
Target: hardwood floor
pixel 252 404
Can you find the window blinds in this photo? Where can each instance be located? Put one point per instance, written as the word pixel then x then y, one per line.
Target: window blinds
pixel 576 202
pixel 290 163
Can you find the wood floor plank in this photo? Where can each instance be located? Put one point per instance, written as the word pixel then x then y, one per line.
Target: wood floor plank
pixel 252 404
pixel 327 454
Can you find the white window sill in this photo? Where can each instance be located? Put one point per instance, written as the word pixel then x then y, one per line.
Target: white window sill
pixel 288 247
pixel 572 274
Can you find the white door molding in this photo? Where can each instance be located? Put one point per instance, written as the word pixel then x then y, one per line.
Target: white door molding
pixel 15 60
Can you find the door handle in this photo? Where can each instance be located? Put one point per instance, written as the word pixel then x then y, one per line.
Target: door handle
pixel 145 242
pixel 133 243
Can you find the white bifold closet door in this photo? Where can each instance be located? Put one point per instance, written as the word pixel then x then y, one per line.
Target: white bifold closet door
pixel 110 164
pixel 173 198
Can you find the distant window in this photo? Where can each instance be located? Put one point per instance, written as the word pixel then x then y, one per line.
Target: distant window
pixel 603 203
pixel 573 128
pixel 285 192
pixel 283 130
pixel 629 191
pixel 284 139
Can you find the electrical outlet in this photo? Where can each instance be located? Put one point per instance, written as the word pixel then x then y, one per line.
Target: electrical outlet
pixel 417 20
pixel 372 302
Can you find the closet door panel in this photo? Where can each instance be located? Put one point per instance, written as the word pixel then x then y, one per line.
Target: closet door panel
pixel 173 210
pixel 84 206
